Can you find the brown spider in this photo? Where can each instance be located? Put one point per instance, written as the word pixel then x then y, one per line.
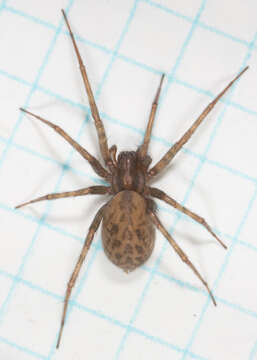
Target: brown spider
pixel 129 217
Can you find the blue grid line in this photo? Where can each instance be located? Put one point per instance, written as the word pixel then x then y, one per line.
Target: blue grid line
pixel 248 245
pixel 103 48
pixel 253 353
pixel 200 23
pixel 46 292
pixel 164 142
pixel 100 315
pixel 22 348
pixel 56 162
pixel 155 138
pixel 180 283
pixel 149 281
pixel 189 19
pixel 235 240
pixel 29 249
pixel 105 76
pixel 80 239
pixel 32 89
pixel 2 5
pixel 223 267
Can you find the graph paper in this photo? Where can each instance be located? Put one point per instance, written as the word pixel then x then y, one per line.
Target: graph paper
pixel 160 311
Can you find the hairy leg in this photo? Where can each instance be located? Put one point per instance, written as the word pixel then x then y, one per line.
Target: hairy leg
pixel 144 147
pixel 83 152
pixel 180 252
pixel 165 160
pixel 159 194
pixel 98 122
pixel 92 230
pixel 97 190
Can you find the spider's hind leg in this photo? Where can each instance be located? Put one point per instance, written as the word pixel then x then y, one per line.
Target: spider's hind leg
pixel 180 252
pixel 88 241
pixel 159 194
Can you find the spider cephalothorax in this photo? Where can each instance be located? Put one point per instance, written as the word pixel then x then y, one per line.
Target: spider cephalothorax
pixel 129 218
pixel 130 172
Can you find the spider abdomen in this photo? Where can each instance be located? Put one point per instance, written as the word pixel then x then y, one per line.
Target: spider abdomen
pixel 127 231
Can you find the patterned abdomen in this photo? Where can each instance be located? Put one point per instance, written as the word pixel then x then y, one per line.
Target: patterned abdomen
pixel 127 232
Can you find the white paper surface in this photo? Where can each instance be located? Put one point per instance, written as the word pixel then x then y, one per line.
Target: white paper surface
pixel 160 311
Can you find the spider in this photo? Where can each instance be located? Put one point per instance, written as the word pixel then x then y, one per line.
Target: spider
pixel 129 218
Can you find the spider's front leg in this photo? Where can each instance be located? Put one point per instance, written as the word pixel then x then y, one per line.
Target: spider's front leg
pixel 166 159
pixel 97 167
pixel 95 113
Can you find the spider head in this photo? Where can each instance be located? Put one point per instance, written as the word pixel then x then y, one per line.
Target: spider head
pixel 130 172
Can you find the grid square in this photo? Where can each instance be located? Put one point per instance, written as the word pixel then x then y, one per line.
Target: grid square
pixel 237 284
pixel 239 154
pixel 31 320
pixel 203 250
pixel 140 348
pixel 74 215
pixel 12 351
pixel 62 75
pixel 166 315
pixel 227 333
pixel 153 50
pixel 223 194
pixel 12 95
pixel 19 40
pixel 26 176
pixel 40 138
pixel 14 245
pixel 83 337
pixel 179 109
pixel 121 294
pixel 188 8
pixel 112 15
pixel 215 61
pixel 5 285
pixel 249 231
pixel 31 8
pixel 237 18
pixel 176 180
pixel 128 102
pixel 53 254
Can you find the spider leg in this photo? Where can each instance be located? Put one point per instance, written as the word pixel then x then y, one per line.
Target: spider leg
pixel 98 122
pixel 161 164
pixel 98 190
pixel 180 252
pixel 83 152
pixel 144 147
pixel 92 230
pixel 113 152
pixel 159 194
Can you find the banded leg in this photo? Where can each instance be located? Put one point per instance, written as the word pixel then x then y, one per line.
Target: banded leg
pixel 165 160
pixel 92 230
pixel 97 167
pixel 98 122
pixel 113 153
pixel 159 194
pixel 97 190
pixel 144 147
pixel 180 252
